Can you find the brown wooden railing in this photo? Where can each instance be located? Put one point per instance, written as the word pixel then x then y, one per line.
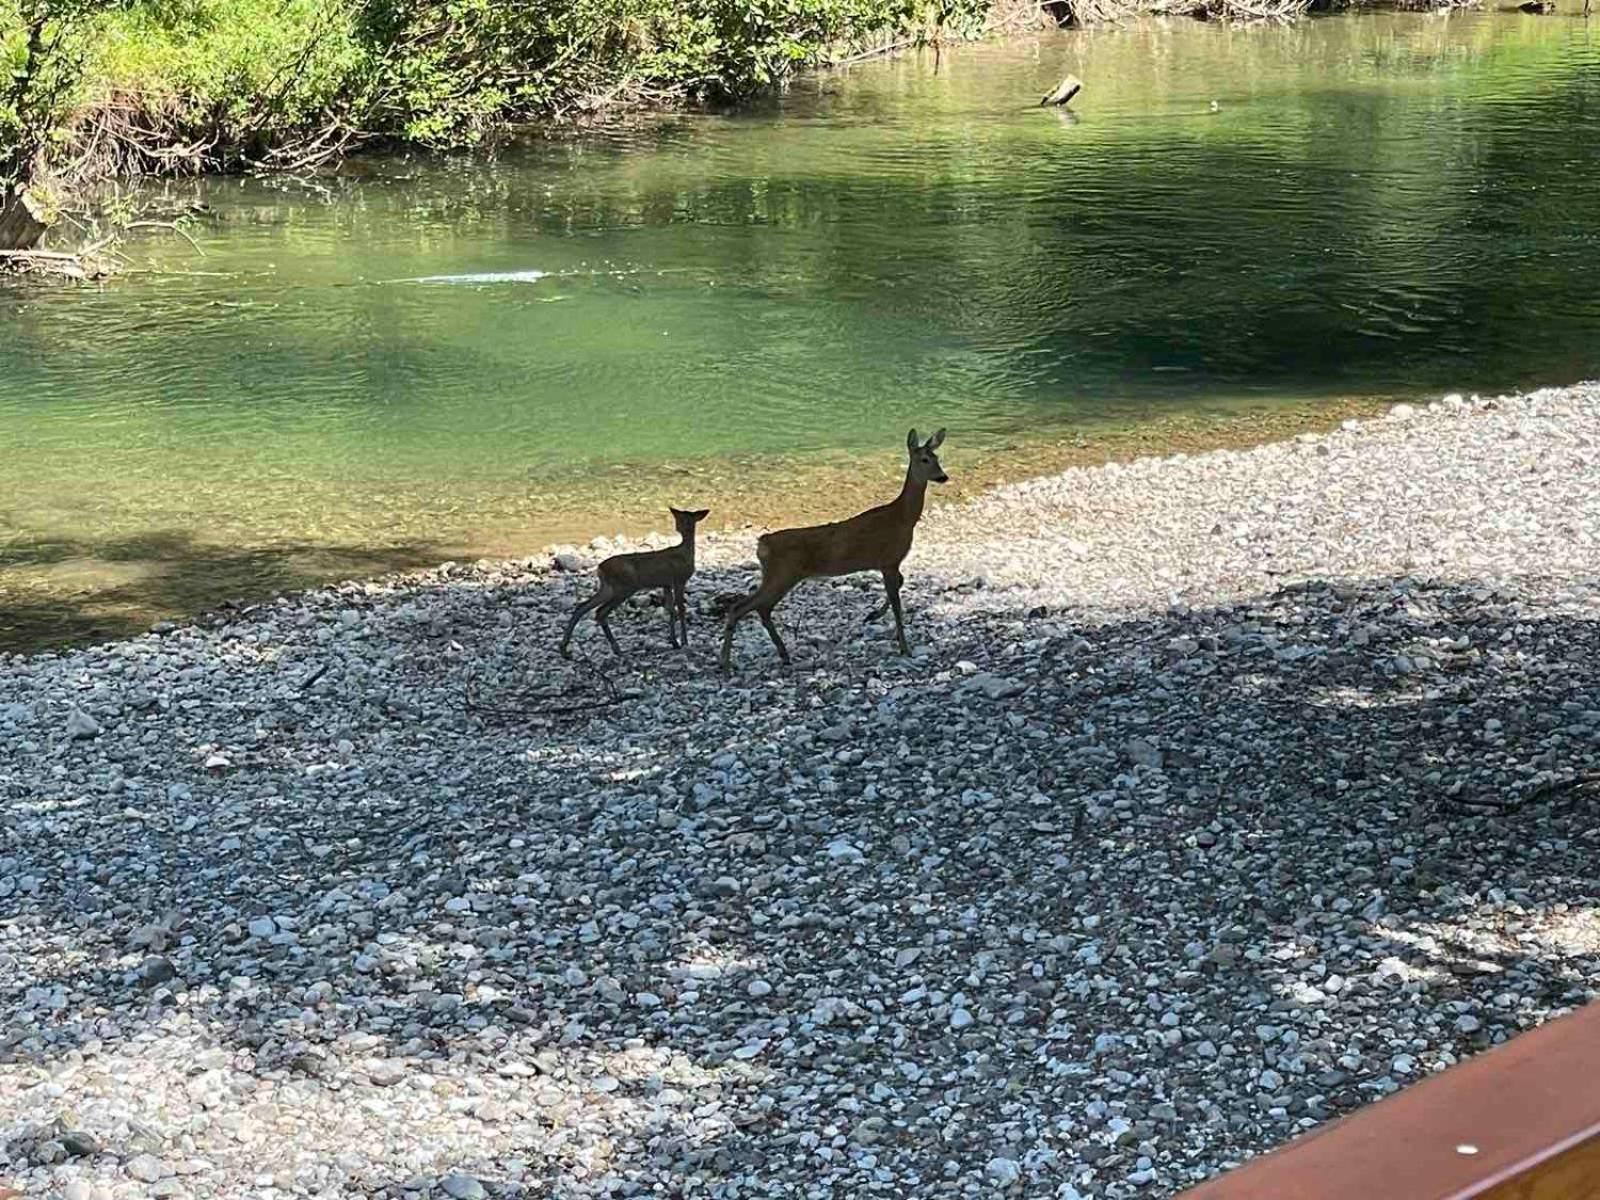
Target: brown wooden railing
pixel 1519 1122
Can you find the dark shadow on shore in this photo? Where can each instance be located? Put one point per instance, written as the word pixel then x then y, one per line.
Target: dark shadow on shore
pixel 1316 745
pixel 130 583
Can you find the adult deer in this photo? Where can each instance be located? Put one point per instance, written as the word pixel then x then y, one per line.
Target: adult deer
pixel 876 540
pixel 622 575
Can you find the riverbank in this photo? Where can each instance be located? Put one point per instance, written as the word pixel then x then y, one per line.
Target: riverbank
pixel 106 92
pixel 110 91
pixel 61 587
pixel 1161 848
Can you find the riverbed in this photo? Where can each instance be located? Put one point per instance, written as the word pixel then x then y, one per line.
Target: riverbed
pixel 1238 233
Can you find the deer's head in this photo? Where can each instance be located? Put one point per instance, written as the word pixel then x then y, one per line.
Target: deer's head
pixel 925 466
pixel 686 521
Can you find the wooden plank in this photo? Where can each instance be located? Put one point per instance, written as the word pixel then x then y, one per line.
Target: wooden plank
pixel 1569 1176
pixel 1518 1122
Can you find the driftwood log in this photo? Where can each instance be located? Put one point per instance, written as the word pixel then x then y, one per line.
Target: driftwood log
pixel 1065 91
pixel 20 226
pixel 56 263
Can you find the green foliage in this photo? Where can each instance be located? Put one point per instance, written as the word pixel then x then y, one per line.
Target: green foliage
pixel 42 47
pixel 450 70
pixel 209 84
pixel 732 48
pixel 227 66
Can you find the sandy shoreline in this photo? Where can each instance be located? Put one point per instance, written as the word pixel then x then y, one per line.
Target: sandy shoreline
pixel 1167 843
pixel 63 587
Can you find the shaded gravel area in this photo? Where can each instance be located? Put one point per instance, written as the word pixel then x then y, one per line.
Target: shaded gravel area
pixel 1222 795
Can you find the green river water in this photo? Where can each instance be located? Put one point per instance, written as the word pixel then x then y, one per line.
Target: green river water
pixel 416 359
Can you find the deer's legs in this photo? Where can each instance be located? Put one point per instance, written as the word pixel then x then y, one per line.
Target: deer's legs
pixel 672 617
pixel 761 601
pixel 680 597
pixel 764 611
pixel 600 615
pixel 892 579
pixel 737 613
pixel 601 597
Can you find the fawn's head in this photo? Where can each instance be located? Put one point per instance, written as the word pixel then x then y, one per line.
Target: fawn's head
pixel 925 466
pixel 686 521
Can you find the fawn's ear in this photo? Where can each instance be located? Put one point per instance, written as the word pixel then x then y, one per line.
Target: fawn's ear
pixel 700 514
pixel 936 440
pixel 675 512
pixel 911 440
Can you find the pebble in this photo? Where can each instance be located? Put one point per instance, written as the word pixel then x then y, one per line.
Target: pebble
pixel 146 1168
pixel 1003 1172
pixel 1144 753
pixel 81 725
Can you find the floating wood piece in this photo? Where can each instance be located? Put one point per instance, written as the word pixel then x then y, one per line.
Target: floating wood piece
pixel 1065 91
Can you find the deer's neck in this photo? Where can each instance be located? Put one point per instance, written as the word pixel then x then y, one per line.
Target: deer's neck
pixel 912 493
pixel 687 545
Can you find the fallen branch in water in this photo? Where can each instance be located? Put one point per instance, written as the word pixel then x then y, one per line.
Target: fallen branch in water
pixel 875 52
pixel 169 225
pixel 57 263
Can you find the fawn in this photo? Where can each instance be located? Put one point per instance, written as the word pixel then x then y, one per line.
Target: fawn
pixel 622 575
pixel 876 540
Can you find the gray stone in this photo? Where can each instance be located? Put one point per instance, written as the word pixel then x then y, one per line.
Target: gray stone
pixel 156 970
pixel 1144 753
pixel 146 1168
pixel 1003 1172
pixel 81 725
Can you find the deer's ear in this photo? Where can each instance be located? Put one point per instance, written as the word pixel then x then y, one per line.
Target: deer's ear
pixel 911 440
pixel 936 440
pixel 700 514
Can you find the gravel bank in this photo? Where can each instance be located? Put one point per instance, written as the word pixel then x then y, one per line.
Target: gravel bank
pixel 1160 850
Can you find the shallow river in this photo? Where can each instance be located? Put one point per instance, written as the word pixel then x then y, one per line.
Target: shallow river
pixel 1239 230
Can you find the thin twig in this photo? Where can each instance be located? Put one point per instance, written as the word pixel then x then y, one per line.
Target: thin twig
pixel 169 225
pixel 1584 781
pixel 538 704
pixel 875 52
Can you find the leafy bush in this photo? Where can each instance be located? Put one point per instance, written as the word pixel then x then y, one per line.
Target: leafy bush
pixel 451 69
pixel 171 85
